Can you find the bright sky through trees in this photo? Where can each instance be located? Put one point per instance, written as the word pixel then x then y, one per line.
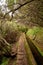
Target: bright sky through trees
pixel 3 5
pixel 2 2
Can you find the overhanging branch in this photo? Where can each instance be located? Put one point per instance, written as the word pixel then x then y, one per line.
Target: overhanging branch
pixel 21 5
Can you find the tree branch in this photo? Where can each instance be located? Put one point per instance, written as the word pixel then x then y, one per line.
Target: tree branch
pixel 21 5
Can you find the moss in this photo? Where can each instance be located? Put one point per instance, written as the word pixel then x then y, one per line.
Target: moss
pixel 30 57
pixel 39 49
pixel 35 44
pixel 33 31
pixel 36 36
pixel 27 49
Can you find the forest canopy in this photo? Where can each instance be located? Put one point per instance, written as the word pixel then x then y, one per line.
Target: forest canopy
pixel 28 11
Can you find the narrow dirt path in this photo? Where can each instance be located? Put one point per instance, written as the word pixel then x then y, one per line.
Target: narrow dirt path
pixel 21 58
pixel 14 49
pixel 11 61
pixel 21 53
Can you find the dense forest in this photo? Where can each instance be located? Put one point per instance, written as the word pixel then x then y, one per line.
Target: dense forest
pixel 21 32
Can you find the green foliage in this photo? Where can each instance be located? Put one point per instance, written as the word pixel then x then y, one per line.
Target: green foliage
pixel 5 61
pixel 12 26
pixel 36 37
pixel 10 2
pixel 29 55
pixel 33 32
pixel 22 28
